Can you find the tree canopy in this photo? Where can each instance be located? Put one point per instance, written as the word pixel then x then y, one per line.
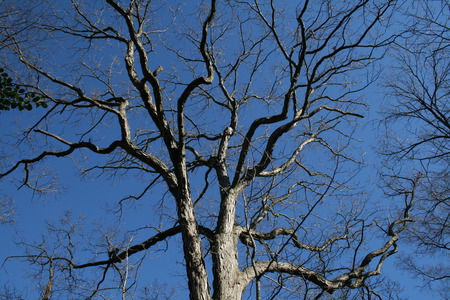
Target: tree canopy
pixel 419 86
pixel 235 131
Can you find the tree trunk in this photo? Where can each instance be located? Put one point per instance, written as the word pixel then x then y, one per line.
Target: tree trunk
pixel 195 265
pixel 192 245
pixel 225 255
pixel 226 272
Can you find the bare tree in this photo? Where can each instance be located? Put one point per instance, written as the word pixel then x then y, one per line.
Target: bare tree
pixel 421 90
pixel 6 211
pixel 242 112
pixel 12 95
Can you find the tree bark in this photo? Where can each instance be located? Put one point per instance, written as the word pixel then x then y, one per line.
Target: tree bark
pixel 192 244
pixel 192 247
pixel 227 284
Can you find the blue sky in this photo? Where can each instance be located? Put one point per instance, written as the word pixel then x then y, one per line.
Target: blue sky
pixel 88 197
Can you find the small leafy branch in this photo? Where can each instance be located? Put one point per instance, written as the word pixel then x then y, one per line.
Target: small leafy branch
pixel 13 96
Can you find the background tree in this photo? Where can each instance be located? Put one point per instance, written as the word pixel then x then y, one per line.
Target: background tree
pixel 242 112
pixel 421 89
pixel 6 211
pixel 12 95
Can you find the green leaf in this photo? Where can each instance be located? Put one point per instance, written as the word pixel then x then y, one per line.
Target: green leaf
pixel 13 95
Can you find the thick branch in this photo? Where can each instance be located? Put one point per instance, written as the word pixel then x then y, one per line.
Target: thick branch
pixel 72 148
pixel 135 248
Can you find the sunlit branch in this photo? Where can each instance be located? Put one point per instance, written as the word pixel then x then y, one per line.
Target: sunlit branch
pixel 260 236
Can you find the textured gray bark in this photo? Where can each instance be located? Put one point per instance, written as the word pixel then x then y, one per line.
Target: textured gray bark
pixel 225 256
pixel 226 272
